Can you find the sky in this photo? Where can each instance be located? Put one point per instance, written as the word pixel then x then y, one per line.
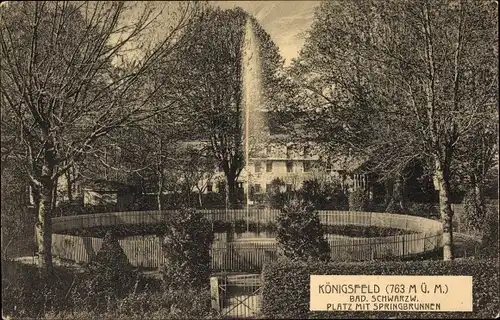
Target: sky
pixel 285 21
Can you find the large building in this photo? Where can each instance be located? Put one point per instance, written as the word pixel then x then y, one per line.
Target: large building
pixel 292 163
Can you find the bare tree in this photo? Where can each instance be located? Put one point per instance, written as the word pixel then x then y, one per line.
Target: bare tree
pixel 399 81
pixel 72 72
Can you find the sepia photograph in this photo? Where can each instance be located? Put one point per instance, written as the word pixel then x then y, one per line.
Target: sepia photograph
pixel 249 159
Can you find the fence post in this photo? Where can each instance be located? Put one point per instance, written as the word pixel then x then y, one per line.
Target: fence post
pixel 214 293
pixel 404 237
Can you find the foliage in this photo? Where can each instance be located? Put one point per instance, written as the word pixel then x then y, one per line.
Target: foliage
pixel 473 217
pixel 73 73
pixel 274 194
pixel 109 277
pixel 26 295
pixel 300 234
pixel 387 81
pixel 357 231
pixel 323 195
pixel 490 241
pixel 426 210
pixel 240 226
pixel 188 303
pixel 66 208
pixel 396 196
pixel 213 64
pixel 286 287
pixel 186 247
pixel 358 200
pixel 394 207
pixel 17 218
pixel 185 304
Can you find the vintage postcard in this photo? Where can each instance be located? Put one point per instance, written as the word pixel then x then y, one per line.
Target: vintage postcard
pixel 249 159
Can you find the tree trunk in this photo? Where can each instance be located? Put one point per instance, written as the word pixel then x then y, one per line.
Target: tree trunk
pixel 479 201
pixel 45 197
pixel 389 190
pixel 232 191
pixel 442 184
pixel 44 225
pixel 54 196
pixel 396 196
pixel 69 185
pixel 475 205
pixel 200 198
pixel 160 189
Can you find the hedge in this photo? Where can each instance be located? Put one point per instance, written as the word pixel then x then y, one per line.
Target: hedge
pixel 238 226
pixel 285 292
pixel 28 295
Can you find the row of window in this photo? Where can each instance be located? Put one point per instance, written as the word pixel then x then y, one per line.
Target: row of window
pixel 289 150
pixel 289 166
pixel 256 187
pixel 307 166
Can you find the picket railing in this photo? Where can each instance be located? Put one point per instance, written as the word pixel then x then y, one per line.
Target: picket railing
pixel 378 219
pixel 248 254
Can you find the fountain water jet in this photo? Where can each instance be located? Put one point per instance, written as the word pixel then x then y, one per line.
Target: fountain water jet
pixel 254 118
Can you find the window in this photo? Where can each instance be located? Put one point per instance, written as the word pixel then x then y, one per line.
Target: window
pixel 289 166
pixel 268 150
pixel 209 187
pixel 257 166
pixel 257 188
pixel 288 187
pixel 307 166
pixel 269 166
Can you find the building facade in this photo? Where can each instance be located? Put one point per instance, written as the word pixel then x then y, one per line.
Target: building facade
pixel 292 163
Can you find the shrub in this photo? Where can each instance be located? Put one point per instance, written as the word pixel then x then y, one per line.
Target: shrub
pixel 26 293
pixel 186 247
pixel 323 195
pixel 69 208
pixel 185 304
pixel 65 295
pixel 426 210
pixel 285 292
pixel 489 242
pixel 395 207
pixel 300 234
pixel 356 231
pixel 358 200
pixel 182 304
pixel 109 277
pixel 474 214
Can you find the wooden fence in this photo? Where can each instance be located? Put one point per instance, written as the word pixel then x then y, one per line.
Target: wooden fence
pixel 249 254
pixel 246 255
pixel 379 219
